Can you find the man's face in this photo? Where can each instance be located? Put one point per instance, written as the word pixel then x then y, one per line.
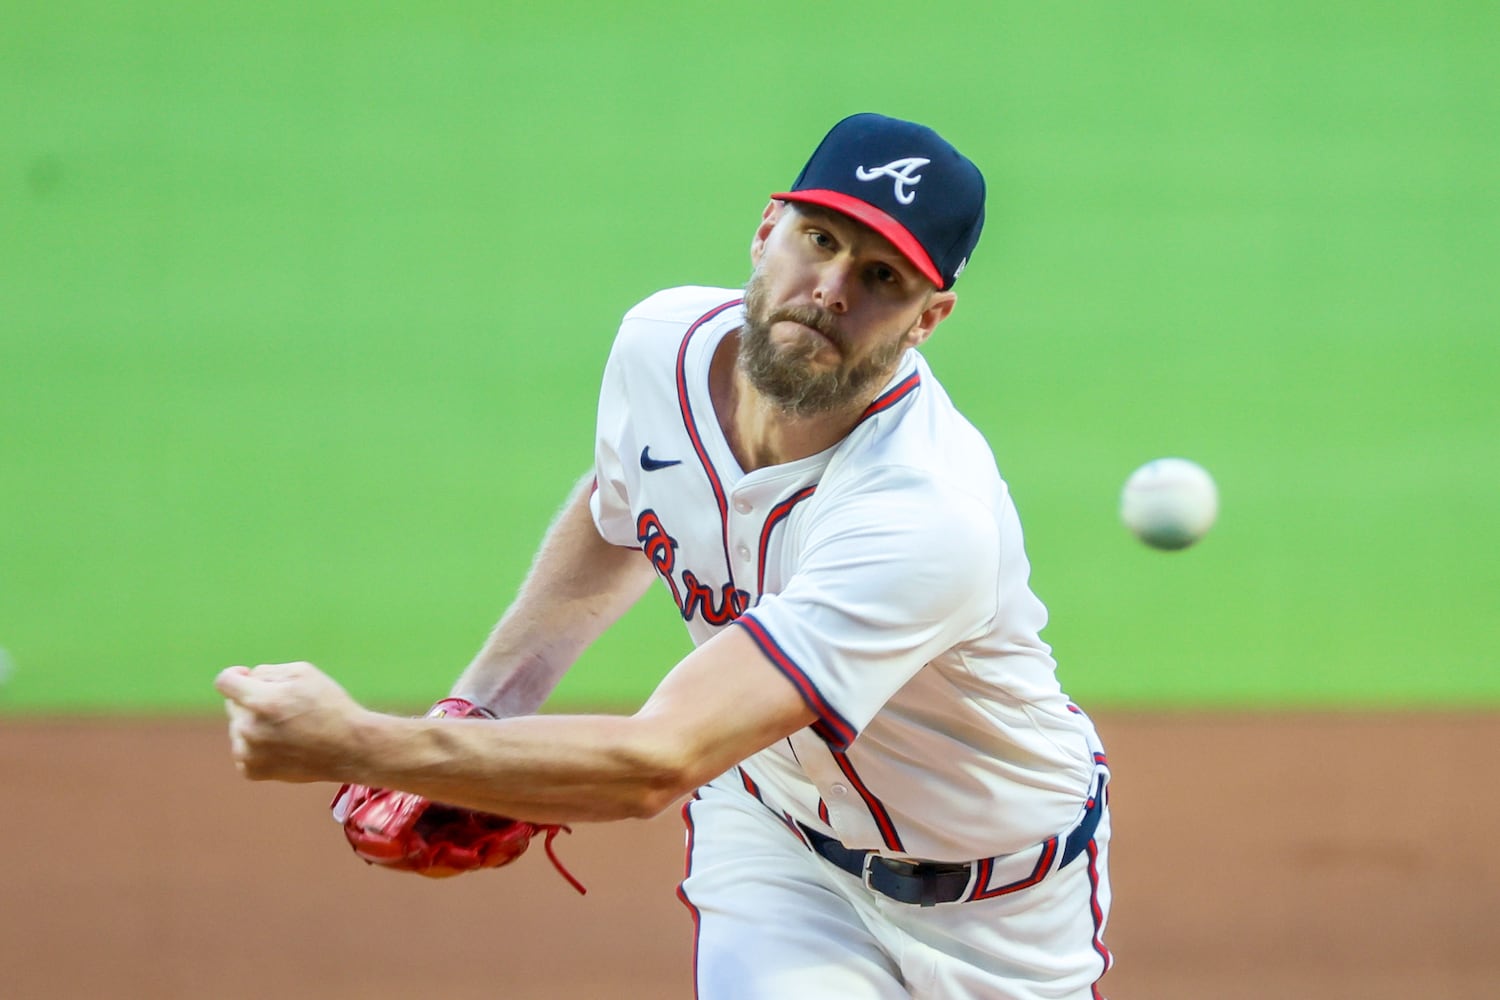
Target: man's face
pixel 829 310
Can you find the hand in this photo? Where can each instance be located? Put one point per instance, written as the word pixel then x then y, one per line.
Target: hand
pixel 287 722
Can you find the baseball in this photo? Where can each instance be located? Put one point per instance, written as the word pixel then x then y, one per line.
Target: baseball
pixel 1169 503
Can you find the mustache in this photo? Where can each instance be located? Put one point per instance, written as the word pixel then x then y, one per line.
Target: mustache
pixel 811 316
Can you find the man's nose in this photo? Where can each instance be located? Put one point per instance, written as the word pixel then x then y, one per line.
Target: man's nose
pixel 832 290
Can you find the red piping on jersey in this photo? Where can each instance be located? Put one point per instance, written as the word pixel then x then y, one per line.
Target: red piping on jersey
pixel 1097 912
pixel 691 425
pixel 832 727
pixel 898 392
pixel 987 866
pixel 778 514
pixel 784 816
pixel 877 808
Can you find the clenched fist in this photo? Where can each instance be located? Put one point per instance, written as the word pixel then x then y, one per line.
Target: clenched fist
pixel 288 722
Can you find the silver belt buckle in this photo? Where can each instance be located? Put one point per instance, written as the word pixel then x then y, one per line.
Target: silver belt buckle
pixel 865 868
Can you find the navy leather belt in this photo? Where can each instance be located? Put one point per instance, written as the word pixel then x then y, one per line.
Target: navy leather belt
pixel 927 883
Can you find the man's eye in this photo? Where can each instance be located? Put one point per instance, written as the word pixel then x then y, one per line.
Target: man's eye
pixel 821 239
pixel 885 275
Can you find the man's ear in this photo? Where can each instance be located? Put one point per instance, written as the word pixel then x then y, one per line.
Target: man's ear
pixel 938 308
pixel 768 220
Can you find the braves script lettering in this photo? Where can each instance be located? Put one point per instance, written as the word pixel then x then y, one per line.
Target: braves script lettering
pixel 693 597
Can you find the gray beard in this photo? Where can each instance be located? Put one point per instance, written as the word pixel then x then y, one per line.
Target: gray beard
pixel 784 376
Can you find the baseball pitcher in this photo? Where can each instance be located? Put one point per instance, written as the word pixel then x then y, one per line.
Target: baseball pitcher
pixel 888 793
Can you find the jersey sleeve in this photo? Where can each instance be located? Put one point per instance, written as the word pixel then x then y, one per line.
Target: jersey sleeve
pixel 893 574
pixel 610 502
pixel 637 397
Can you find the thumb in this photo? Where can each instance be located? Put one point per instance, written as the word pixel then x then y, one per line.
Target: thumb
pixel 234 683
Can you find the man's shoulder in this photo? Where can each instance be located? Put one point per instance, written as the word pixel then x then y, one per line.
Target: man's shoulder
pixel 921 460
pixel 652 332
pixel 684 304
pixel 924 440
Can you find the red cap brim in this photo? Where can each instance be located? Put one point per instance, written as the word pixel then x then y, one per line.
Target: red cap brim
pixel 882 223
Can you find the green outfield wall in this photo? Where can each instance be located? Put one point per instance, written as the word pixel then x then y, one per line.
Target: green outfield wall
pixel 303 309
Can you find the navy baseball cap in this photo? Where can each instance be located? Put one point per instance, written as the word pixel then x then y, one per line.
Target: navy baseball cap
pixel 904 181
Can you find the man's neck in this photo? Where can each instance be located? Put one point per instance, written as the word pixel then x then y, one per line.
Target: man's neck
pixel 760 433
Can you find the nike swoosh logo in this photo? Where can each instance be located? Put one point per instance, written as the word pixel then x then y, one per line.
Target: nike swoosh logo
pixel 652 464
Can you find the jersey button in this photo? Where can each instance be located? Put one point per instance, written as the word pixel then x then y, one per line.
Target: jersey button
pixel 840 790
pixel 743 552
pixel 743 506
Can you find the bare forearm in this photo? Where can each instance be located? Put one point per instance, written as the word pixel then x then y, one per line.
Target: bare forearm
pixel 543 769
pixel 722 703
pixel 577 587
pixel 717 707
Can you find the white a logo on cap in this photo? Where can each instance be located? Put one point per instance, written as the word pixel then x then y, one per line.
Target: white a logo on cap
pixel 901 171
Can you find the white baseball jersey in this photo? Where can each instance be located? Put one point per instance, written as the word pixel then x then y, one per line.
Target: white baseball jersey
pixel 884 577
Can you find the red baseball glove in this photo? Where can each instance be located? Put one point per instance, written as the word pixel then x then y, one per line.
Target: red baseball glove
pixel 406 832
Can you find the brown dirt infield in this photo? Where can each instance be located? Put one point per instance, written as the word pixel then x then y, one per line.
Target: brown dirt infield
pixel 1275 856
